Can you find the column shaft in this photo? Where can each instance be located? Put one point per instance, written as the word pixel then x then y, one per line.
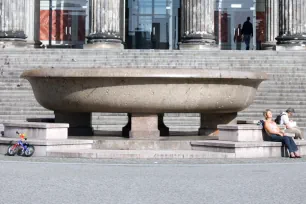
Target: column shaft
pixel 272 25
pixel 105 24
pixel 198 24
pixel 12 19
pixel 292 25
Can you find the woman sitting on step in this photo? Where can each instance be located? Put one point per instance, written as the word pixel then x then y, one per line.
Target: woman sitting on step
pixel 279 136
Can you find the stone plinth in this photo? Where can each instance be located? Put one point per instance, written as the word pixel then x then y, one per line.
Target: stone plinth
pixel 50 131
pixel 240 133
pixel 144 126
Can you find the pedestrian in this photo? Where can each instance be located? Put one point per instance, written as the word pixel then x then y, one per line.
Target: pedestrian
pixel 247 32
pixel 238 37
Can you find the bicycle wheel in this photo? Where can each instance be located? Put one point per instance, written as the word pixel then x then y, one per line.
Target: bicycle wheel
pixel 12 150
pixel 29 151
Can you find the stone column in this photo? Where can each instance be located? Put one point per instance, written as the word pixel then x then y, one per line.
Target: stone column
pixel 17 22
pixel 32 27
pixel 272 26
pixel 292 25
pixel 210 121
pixel 105 24
pixel 197 23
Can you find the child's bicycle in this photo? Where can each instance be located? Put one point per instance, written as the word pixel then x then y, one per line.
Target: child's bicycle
pixel 21 148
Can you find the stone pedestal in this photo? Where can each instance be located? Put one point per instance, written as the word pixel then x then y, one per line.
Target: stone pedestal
pixel 210 121
pixel 164 130
pixel 79 123
pixel 198 24
pixel 240 133
pixel 144 126
pixel 105 25
pixel 292 21
pixel 19 25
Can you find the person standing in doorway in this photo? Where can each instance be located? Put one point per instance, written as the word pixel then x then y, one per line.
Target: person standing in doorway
pixel 247 32
pixel 238 37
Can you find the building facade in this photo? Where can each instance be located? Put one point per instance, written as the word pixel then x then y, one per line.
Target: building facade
pixel 152 24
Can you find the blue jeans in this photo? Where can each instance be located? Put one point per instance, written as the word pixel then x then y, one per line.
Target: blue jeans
pixel 287 141
pixel 247 39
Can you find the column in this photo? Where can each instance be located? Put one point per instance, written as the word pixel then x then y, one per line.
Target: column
pixel 32 27
pixel 105 24
pixel 272 26
pixel 12 22
pixel 198 24
pixel 292 25
pixel 17 22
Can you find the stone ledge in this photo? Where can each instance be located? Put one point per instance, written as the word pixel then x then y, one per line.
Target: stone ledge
pixel 37 125
pixel 5 140
pixel 239 127
pixel 231 144
pixel 37 130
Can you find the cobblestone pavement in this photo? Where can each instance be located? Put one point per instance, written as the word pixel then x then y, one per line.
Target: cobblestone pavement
pixel 224 181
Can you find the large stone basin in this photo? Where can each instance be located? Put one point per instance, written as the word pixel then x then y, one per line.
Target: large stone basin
pixel 145 91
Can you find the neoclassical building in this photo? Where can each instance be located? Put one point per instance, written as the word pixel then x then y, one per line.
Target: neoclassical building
pixel 151 24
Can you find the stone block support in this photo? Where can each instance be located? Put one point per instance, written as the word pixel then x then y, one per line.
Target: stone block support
pixel 210 121
pixel 144 126
pixel 292 25
pixel 105 25
pixel 19 23
pixel 164 130
pixel 79 123
pixel 240 133
pixel 197 24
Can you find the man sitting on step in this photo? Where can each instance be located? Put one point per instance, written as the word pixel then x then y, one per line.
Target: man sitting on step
pixel 291 126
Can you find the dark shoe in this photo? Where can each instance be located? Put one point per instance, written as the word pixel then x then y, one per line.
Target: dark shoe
pixel 298 156
pixel 292 156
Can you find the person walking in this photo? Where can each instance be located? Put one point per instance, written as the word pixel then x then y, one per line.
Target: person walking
pixel 238 37
pixel 247 32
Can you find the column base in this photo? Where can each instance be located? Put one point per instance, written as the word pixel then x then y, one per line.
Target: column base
pixel 198 42
pixel 291 43
pixel 210 121
pixel 268 46
pixel 12 43
pixel 103 43
pixel 79 123
pixel 144 126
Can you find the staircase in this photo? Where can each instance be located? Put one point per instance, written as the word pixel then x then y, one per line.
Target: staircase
pixel 286 87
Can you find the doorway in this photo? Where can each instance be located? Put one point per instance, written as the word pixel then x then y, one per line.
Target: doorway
pixel 148 24
pixel 232 15
pixel 68 22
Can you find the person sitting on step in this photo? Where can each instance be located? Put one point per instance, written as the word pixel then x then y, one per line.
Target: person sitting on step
pixel 279 136
pixel 291 126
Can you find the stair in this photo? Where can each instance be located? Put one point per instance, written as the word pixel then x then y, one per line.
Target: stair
pixel 285 88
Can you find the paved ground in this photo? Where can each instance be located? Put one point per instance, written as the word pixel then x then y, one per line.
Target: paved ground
pixel 54 180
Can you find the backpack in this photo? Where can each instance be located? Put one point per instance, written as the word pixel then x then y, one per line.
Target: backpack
pixel 278 118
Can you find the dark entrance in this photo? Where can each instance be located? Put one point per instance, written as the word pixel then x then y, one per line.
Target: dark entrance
pixel 147 24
